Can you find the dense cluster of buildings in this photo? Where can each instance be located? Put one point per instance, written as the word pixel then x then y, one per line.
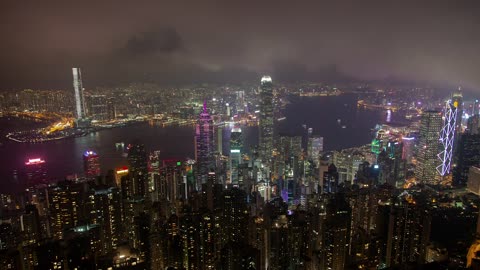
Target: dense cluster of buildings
pixel 285 204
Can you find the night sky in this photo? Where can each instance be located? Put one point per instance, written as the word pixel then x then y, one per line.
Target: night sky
pixel 173 42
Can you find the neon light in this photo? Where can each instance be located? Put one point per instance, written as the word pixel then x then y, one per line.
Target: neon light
pixel 447 138
pixel 33 161
pixel 89 153
pixel 266 79
pixel 122 171
pixel 234 151
pixel 408 138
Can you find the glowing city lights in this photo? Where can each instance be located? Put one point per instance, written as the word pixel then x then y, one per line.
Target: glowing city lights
pixel 33 161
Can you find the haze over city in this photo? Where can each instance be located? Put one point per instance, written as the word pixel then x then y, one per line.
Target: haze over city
pixel 270 135
pixel 184 42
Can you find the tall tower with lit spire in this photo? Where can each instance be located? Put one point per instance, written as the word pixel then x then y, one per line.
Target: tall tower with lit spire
pixel 266 118
pixel 457 102
pixel 447 137
pixel 204 145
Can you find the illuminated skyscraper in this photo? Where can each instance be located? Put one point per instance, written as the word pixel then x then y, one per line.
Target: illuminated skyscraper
pixel 447 137
pixel 457 102
pixel 407 232
pixel 266 118
pixel 30 225
pixel 336 234
pixel 235 154
pixel 204 145
pixel 91 164
pixel 36 171
pixel 407 151
pixel 428 147
pixel 468 156
pixel 65 207
pixel 111 109
pixel 476 107
pixel 315 148
pixel 235 216
pixel 79 95
pixel 138 170
pixel 119 174
pixel 241 101
pixel 105 212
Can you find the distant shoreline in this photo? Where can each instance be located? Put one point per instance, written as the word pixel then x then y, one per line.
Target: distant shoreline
pixel 20 136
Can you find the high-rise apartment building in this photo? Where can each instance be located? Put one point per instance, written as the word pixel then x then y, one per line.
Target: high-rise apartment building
pixel 105 212
pixel 138 171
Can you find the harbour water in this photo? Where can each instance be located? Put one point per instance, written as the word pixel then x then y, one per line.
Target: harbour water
pixel 64 157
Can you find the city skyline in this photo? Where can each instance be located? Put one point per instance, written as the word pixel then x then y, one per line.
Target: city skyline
pixel 240 136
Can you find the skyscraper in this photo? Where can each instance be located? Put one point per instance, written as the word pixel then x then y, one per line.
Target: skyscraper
pixel 79 95
pixel 428 147
pixel 138 170
pixel 457 101
pixel 447 137
pixel 408 144
pixel 315 148
pixel 65 205
pixel 266 118
pixel 204 145
pixel 476 107
pixel 468 156
pixel 337 233
pixel 35 171
pixel 111 109
pixel 235 154
pixel 105 211
pixel 91 164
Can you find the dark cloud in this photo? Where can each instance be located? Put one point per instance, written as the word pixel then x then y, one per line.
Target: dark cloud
pixel 184 41
pixel 162 40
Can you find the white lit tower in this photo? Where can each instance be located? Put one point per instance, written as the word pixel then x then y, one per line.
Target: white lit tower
pixel 447 137
pixel 80 116
pixel 79 96
pixel 266 119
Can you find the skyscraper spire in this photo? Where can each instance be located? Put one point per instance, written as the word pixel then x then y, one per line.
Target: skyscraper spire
pixel 204 106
